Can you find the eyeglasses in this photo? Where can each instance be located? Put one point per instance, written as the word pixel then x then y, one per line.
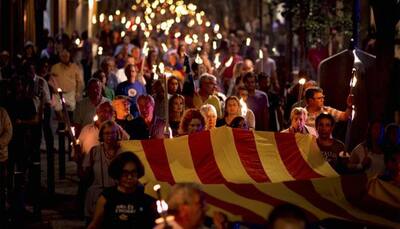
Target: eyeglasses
pixel 127 173
pixel 319 98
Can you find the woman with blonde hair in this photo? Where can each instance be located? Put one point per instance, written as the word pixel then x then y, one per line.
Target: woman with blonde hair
pixel 176 107
pixel 210 114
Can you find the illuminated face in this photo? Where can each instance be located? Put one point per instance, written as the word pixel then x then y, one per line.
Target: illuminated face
pixel 146 109
pixel 250 83
pixel 94 90
pixel 324 128
pixel 196 211
pixel 136 53
pixel 298 121
pixel 129 176
pixel 177 105
pixel 132 72
pixel 209 86
pixel 318 100
pixel 122 107
pixel 110 135
pixel 232 107
pixel 194 126
pixel 64 57
pixel 105 112
pixel 173 86
pixel 211 119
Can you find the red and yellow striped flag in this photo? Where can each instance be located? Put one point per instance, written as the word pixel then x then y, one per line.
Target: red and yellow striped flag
pixel 246 173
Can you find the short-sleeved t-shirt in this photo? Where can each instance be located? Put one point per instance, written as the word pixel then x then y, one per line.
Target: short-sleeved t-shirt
pixel 128 210
pixel 331 153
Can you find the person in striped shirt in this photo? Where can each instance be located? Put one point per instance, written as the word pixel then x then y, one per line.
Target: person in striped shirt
pixel 315 106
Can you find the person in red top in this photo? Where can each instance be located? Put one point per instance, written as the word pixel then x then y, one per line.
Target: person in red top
pixel 227 73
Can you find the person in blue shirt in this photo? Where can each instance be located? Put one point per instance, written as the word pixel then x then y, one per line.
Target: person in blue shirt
pixel 131 88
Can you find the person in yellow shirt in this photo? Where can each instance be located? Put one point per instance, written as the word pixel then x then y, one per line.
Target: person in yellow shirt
pixel 67 76
pixel 205 95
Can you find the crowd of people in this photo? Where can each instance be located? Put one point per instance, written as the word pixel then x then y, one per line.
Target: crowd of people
pixel 138 93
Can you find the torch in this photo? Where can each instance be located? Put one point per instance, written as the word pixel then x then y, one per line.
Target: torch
pixel 301 83
pixel 261 58
pixel 353 82
pixel 69 128
pixel 162 207
pixel 145 52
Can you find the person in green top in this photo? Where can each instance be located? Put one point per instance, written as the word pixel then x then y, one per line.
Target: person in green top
pixel 106 91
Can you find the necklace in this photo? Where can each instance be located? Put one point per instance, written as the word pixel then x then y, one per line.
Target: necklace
pixel 109 153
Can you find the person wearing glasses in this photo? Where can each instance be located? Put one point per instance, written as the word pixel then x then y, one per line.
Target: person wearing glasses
pixel 125 205
pixel 315 105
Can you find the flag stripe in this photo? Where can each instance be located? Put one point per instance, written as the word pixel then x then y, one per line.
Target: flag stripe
pixel 309 150
pixel 224 193
pixel 331 189
pixel 270 159
pixel 291 157
pixel 204 159
pixel 280 191
pixel 247 215
pixel 251 192
pixel 157 158
pixel 247 150
pixel 354 188
pixel 227 157
pixel 180 160
pixel 307 190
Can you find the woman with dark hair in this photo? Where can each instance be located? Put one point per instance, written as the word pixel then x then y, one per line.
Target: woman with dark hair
pixel 106 91
pixel 368 155
pixel 234 108
pixel 97 163
pixel 176 107
pixel 174 86
pixel 125 205
pixel 192 121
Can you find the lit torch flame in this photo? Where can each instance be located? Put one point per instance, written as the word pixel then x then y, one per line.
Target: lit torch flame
pixel 260 54
pixel 229 62
pixel 248 41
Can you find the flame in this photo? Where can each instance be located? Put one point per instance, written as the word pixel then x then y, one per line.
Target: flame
pixel 145 49
pixel 260 54
pixel 162 206
pixel 198 59
pixel 164 47
pixel 95 118
pixel 156 187
pixel 161 67
pixel 217 63
pixel 248 41
pixel 353 112
pixel 229 62
pixel 302 81
pixel 353 81
pixel 244 107
pixel 214 45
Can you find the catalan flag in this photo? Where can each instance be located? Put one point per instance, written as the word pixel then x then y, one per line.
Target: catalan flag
pixel 244 174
